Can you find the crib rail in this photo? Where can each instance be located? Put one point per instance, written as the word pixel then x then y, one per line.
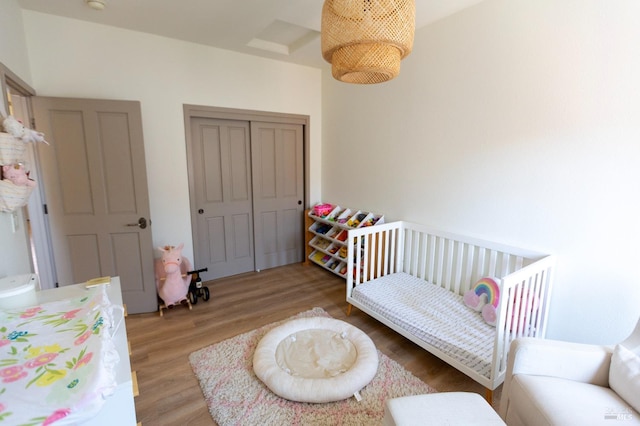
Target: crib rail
pixel 451 261
pixel 374 250
pixel 523 310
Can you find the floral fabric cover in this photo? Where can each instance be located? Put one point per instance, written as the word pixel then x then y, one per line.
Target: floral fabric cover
pixel 57 360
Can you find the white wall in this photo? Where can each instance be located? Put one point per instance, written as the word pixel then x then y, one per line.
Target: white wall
pixel 513 121
pixel 14 250
pixel 71 58
pixel 13 47
pixel 517 122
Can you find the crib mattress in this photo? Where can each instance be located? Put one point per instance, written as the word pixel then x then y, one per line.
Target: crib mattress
pixel 433 314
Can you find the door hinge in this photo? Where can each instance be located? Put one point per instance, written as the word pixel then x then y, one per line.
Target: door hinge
pixel 45 209
pixel 33 123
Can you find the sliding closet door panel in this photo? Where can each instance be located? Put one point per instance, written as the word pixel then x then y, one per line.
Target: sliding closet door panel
pixel 277 162
pixel 221 166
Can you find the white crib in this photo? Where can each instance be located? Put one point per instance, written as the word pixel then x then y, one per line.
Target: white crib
pixel 412 279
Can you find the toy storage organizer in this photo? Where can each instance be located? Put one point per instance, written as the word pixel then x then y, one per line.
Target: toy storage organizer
pixel 327 226
pixel 12 151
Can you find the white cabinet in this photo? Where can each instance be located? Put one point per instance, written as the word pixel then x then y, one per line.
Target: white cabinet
pixel 326 235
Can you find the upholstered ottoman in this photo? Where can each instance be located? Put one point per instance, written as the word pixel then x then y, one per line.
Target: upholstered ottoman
pixel 447 408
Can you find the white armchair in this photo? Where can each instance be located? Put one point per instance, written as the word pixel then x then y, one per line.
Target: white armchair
pixel 549 382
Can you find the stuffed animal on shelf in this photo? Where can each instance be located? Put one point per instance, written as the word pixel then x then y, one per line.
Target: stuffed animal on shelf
pixel 17 175
pixel 19 131
pixel 173 285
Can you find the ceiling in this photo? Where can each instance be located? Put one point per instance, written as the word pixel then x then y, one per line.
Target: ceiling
pixel 286 30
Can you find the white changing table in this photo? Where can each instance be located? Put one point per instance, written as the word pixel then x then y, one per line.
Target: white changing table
pixel 119 408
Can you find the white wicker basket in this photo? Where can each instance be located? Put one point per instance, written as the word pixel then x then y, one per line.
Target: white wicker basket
pixel 12 150
pixel 13 196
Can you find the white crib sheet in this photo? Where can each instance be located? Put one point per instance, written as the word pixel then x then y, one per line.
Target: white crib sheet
pixel 435 315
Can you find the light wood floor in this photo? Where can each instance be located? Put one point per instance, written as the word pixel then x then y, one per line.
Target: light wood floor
pixel 169 391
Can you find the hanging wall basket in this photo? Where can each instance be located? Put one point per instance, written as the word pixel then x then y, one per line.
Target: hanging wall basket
pixel 13 196
pixel 12 149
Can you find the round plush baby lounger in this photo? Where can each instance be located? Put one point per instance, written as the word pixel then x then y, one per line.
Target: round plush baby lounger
pixel 315 360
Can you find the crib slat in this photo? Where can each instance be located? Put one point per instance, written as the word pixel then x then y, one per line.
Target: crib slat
pixel 540 291
pixel 389 264
pixel 368 257
pixel 357 269
pixel 407 250
pixel 491 268
pixel 513 320
pixel 433 259
pixel 415 251
pixel 502 264
pixel 447 273
pixel 458 267
pixel 396 250
pixel 467 277
pixel 439 261
pixel 384 244
pixel 480 272
pixel 422 271
pixel 379 253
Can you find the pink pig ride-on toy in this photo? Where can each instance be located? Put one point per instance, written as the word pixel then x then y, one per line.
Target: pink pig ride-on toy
pixel 175 281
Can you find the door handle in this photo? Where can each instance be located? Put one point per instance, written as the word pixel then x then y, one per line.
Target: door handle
pixel 141 223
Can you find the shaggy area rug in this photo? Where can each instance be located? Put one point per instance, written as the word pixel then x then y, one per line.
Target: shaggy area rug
pixel 235 396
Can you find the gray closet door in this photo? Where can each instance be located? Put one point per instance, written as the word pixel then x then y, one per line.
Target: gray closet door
pixel 247 188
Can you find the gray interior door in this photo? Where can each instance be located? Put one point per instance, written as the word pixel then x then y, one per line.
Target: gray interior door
pixel 95 183
pixel 221 167
pixel 278 191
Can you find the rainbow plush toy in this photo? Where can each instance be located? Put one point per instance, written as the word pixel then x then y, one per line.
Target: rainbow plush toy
pixel 484 297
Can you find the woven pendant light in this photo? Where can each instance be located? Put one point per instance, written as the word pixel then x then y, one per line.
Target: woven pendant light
pixel 364 40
